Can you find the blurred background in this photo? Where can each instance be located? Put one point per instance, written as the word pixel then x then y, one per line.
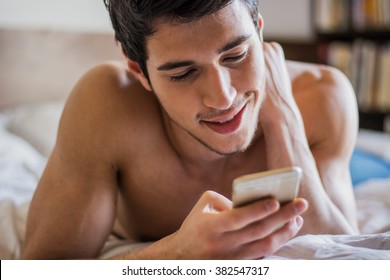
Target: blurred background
pixel 287 19
pixel 352 35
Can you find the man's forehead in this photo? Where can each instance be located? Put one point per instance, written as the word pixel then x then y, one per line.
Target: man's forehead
pixel 233 20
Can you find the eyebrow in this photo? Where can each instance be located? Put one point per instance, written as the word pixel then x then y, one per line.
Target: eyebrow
pixel 236 42
pixel 183 63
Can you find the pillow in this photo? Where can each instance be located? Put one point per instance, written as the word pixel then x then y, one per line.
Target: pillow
pixel 365 166
pixel 37 124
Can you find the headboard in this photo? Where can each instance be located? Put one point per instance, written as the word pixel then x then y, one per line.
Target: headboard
pixel 37 65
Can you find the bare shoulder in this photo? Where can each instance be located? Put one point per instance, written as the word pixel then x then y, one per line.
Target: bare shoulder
pixel 326 100
pixel 79 184
pixel 316 76
pixel 104 86
pixel 104 106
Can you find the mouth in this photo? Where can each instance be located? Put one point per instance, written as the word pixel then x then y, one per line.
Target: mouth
pixel 227 124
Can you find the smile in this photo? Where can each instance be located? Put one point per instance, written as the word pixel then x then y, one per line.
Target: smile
pixel 226 124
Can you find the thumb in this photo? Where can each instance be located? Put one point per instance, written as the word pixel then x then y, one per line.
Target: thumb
pixel 212 201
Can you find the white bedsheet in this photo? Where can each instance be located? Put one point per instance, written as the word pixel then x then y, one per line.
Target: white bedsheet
pixel 373 203
pixel 22 162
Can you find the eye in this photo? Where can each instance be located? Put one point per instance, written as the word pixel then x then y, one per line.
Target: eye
pixel 182 77
pixel 236 58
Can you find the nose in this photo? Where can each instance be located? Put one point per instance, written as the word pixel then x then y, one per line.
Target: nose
pixel 218 91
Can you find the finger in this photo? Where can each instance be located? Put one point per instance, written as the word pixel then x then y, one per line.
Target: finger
pixel 273 49
pixel 212 201
pixel 296 207
pixel 208 205
pixel 271 62
pixel 205 213
pixel 273 55
pixel 270 224
pixel 275 221
pixel 269 245
pixel 240 217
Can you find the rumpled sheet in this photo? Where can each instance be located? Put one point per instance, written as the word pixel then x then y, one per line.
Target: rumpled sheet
pixel 21 165
pixel 373 204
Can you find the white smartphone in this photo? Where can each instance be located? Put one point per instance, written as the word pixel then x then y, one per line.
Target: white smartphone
pixel 282 184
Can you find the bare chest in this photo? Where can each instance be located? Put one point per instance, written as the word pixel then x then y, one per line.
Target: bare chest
pixel 155 198
pixel 155 202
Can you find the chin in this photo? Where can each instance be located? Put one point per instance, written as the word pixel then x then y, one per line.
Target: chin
pixel 233 151
pixel 232 146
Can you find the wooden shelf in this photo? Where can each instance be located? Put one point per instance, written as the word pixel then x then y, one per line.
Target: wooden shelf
pixel 352 17
pixel 300 51
pixel 372 120
pixel 377 35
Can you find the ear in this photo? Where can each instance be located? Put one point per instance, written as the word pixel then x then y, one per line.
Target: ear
pixel 135 69
pixel 260 23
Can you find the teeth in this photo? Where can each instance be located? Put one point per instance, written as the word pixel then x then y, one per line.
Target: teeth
pixel 226 121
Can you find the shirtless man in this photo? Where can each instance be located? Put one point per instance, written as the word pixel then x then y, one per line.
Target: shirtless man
pixel 153 144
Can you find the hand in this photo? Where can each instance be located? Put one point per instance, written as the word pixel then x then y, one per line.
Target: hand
pixel 280 117
pixel 279 96
pixel 215 230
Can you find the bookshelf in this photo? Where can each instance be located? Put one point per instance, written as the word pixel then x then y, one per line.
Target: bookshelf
pixel 354 36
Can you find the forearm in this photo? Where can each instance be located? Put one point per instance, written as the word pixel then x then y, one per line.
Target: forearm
pixel 287 145
pixel 159 250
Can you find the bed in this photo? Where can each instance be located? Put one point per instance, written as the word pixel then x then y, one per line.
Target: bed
pixel 38 70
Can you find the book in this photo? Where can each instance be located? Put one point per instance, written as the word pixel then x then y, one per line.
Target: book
pixel 367 81
pixel 331 15
pixel 383 100
pixel 340 56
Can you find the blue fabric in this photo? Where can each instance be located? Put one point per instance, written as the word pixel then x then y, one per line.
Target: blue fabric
pixel 365 166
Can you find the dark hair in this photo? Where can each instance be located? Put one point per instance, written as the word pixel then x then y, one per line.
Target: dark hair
pixel 133 20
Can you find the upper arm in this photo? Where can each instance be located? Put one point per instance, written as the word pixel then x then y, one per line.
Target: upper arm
pixel 334 136
pixel 74 206
pixel 337 121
